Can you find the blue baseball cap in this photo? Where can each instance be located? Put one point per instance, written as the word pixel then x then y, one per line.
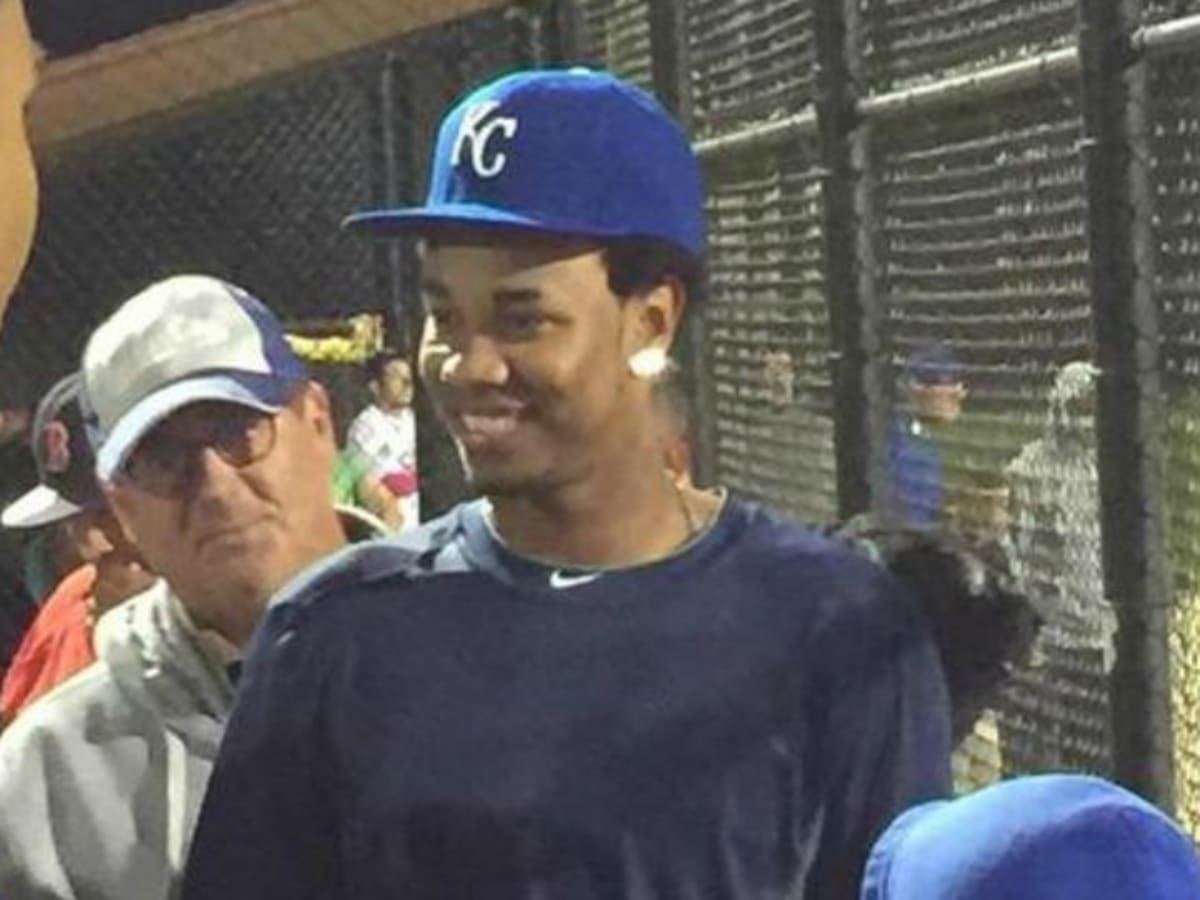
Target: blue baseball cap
pixel 1041 837
pixel 187 339
pixel 561 151
pixel 934 364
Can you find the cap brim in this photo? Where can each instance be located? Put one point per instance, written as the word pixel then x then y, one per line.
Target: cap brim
pixel 41 506
pixel 267 393
pixel 404 220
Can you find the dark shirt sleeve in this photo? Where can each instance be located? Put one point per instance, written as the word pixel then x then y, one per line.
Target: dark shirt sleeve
pixel 885 742
pixel 266 829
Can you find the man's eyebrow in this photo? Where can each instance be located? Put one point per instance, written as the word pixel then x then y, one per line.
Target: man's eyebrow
pixel 517 295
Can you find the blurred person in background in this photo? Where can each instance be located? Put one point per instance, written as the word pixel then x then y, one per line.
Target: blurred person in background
pixel 215 453
pixel 980 508
pixel 18 178
pixel 933 392
pixel 358 493
pixel 385 433
pixel 1046 837
pixel 356 486
pixel 109 570
pixel 1056 558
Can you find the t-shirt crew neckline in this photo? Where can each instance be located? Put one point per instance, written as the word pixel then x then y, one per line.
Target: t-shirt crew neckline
pixel 486 550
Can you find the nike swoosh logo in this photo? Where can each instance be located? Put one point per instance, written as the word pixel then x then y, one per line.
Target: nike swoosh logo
pixel 560 581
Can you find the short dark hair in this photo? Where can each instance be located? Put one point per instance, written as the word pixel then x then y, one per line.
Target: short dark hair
pixel 638 265
pixel 377 364
pixel 635 265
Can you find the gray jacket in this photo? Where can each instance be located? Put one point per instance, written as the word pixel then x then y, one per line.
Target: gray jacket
pixel 101 780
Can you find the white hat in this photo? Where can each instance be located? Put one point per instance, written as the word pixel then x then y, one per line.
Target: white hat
pixel 180 341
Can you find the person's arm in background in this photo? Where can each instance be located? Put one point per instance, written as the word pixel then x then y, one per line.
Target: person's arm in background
pixel 375 497
pixel 880 697
pixel 267 827
pixel 360 439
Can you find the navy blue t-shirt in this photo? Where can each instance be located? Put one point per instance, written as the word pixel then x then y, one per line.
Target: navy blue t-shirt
pixel 435 717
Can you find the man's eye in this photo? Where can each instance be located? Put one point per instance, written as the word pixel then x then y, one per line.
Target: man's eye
pixel 155 453
pixel 228 434
pixel 234 429
pixel 522 322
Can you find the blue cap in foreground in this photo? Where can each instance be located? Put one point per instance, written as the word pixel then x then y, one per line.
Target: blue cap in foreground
pixel 1048 837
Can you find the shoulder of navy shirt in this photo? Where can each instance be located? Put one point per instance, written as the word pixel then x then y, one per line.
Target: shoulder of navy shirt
pixel 842 588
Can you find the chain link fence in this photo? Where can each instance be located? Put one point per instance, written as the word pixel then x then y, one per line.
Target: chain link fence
pixel 767 331
pixel 974 275
pixel 983 252
pixel 1175 123
pixel 903 300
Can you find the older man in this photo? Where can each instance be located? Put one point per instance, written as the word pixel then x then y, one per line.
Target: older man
pixel 18 181
pixel 215 452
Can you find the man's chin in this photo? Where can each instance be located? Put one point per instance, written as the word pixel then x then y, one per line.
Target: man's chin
pixel 249 582
pixel 493 485
pixel 503 481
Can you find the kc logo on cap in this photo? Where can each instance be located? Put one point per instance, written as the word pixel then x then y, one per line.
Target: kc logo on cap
pixel 570 152
pixel 478 129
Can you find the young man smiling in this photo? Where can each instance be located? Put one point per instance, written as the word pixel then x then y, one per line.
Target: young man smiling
pixel 592 682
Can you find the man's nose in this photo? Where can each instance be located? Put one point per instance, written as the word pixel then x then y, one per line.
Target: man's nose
pixel 206 472
pixel 476 361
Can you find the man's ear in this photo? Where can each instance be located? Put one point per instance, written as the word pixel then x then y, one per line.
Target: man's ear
pixel 318 409
pixel 117 500
pixel 653 319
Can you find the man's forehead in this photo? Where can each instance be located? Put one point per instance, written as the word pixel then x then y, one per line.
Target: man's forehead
pixel 517 246
pixel 509 266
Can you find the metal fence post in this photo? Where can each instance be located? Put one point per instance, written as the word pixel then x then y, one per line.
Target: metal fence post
pixel 1129 415
pixel 668 48
pixel 397 184
pixel 560 31
pixel 541 32
pixel 849 259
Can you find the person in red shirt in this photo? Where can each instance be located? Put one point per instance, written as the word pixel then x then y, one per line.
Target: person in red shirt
pixel 59 642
